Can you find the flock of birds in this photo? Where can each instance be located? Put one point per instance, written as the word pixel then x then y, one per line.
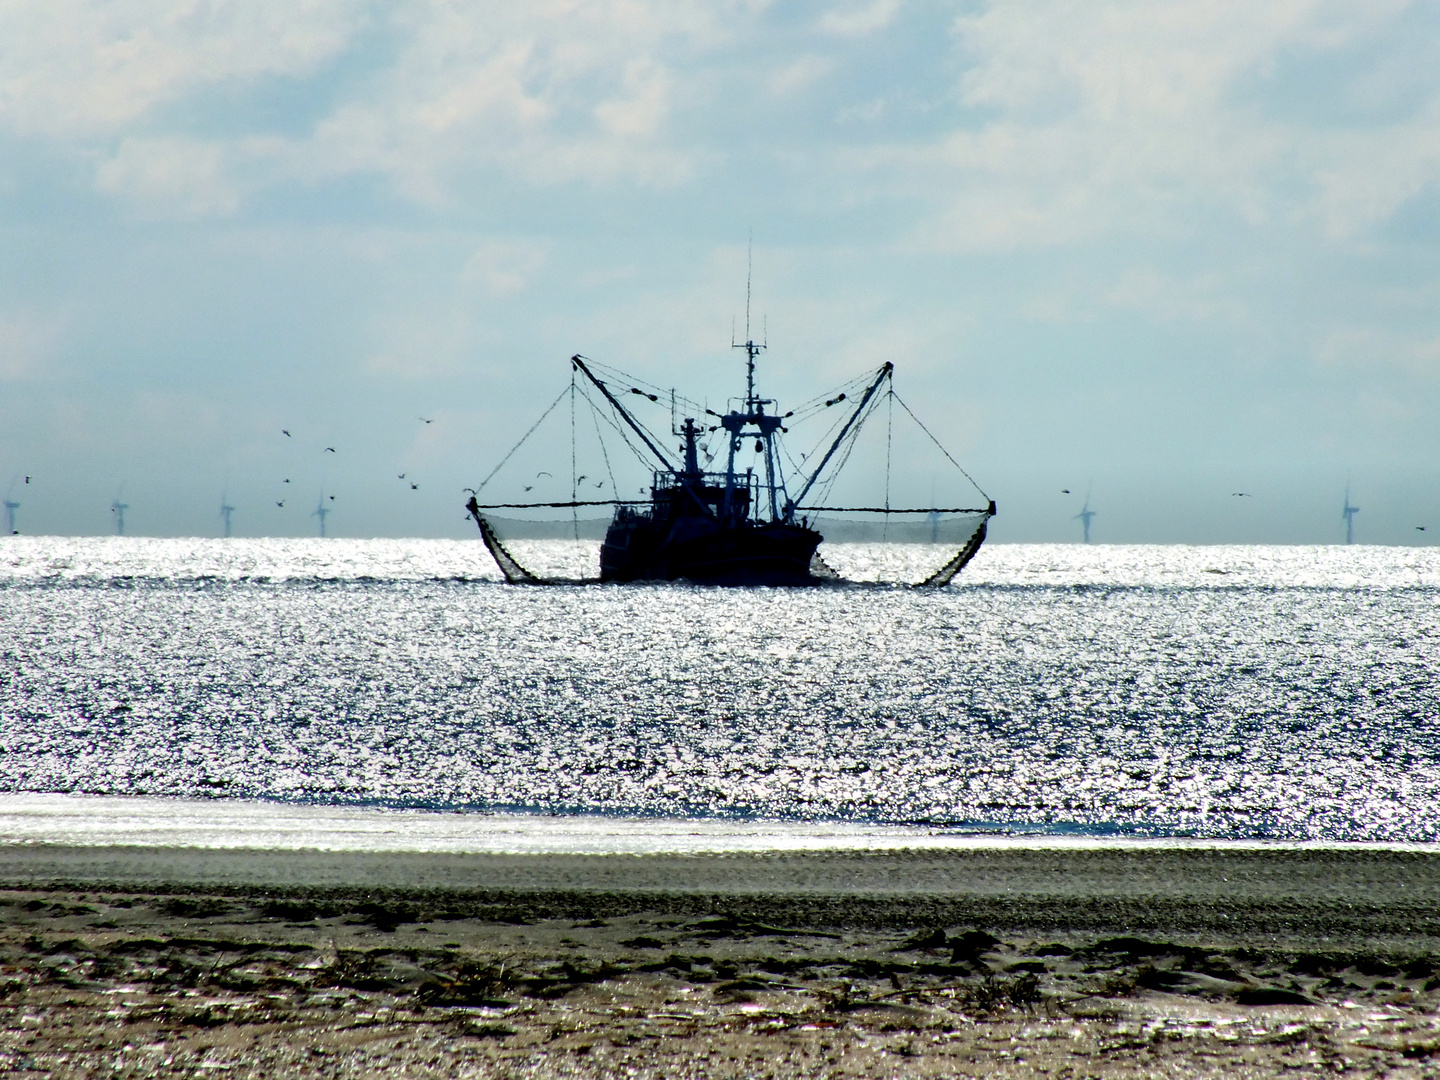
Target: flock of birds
pixel 280 503
pixel 1084 516
pixel 578 480
pixel 405 477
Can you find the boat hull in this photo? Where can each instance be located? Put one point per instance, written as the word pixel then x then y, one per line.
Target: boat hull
pixel 700 550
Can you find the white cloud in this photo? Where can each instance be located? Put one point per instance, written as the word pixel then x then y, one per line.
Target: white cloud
pixel 1131 116
pixel 551 91
pixel 1080 118
pixel 1372 349
pixel 800 74
pixel 172 177
pixel 505 267
pixel 1167 297
pixel 27 341
pixel 1363 177
pixel 867 113
pixel 851 20
pixel 72 68
pixel 419 344
pixel 640 108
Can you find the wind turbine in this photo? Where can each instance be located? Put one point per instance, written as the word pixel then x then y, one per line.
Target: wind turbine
pixel 225 511
pixel 10 507
pixel 1084 517
pixel 118 509
pixel 321 511
pixel 1349 515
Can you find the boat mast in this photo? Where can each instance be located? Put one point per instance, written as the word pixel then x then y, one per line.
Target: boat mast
pixel 754 416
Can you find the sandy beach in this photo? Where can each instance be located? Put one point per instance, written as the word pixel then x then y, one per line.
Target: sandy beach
pixel 1136 961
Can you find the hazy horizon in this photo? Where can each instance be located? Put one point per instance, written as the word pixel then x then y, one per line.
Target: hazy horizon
pixel 1159 254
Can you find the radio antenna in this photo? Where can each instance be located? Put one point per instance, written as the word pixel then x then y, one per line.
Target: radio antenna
pixel 749 270
pixel 751 349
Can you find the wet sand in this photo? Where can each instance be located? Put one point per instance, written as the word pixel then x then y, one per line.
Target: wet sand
pixel 1309 893
pixel 1127 962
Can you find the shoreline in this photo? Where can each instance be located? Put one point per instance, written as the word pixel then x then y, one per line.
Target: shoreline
pixel 46 820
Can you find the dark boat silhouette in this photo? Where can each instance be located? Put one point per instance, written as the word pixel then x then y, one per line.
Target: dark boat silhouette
pixel 730 527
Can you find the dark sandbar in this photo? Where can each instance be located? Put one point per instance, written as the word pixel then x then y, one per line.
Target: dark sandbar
pixel 1358 892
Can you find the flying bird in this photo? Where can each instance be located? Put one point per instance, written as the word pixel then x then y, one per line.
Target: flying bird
pixel 600 484
pixel 286 480
pixel 401 476
pixel 529 486
pixel 414 487
pixel 332 498
pixel 285 433
pixel 426 421
pixel 280 503
pixel 542 472
pixel 1064 491
pixel 1421 528
pixel 579 478
pixel 27 479
pixel 1240 495
pixel 329 449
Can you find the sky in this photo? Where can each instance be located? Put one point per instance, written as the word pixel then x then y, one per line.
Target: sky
pixel 1150 253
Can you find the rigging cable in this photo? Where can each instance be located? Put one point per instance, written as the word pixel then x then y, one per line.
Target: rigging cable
pixel 942 449
pixel 833 397
pixel 889 444
pixel 521 443
pixel 574 484
pixel 616 375
pixel 884 510
pixel 847 448
pixel 604 414
pixel 604 453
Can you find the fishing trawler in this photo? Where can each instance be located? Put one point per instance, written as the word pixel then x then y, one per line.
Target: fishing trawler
pixel 740 526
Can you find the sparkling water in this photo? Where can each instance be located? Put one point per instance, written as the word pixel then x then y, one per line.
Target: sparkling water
pixel 1250 692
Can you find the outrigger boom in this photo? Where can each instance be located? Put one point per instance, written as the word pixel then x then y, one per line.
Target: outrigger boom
pixel 732 527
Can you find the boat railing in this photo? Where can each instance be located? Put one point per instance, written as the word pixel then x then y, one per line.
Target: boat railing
pixel 668 479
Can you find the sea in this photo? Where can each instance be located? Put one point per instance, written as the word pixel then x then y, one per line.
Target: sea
pixel 1208 693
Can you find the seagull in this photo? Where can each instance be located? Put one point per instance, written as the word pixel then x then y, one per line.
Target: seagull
pixel 329 449
pixel 1240 495
pixel 401 476
pixel 426 421
pixel 285 433
pixel 529 486
pixel 280 503
pixel 1064 491
pixel 579 478
pixel 287 479
pixel 332 498
pixel 1421 528
pixel 542 472
pixel 414 487
pixel 600 484
pixel 27 479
